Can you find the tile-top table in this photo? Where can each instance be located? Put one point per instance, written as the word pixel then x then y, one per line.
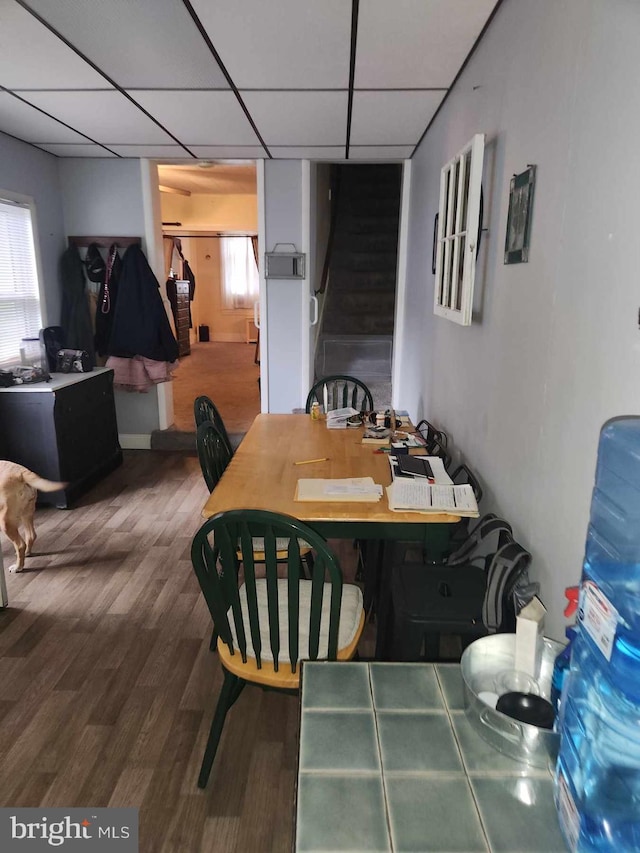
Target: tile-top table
pixel 389 762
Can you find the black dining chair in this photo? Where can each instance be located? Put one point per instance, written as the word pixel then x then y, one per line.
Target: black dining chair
pixel 204 409
pixel 342 391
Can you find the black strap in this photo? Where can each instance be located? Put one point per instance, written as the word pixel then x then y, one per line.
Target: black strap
pixel 487 526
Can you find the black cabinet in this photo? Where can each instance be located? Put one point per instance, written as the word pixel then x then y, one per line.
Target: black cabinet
pixel 64 430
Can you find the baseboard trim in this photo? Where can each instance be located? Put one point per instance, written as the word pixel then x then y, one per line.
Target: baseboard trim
pixel 135 441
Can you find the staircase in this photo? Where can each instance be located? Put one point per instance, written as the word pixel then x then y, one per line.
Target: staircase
pixel 356 336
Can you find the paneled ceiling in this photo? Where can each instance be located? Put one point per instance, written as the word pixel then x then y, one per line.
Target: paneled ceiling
pixel 178 80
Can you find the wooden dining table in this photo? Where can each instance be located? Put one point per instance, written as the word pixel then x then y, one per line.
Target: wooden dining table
pixel 263 474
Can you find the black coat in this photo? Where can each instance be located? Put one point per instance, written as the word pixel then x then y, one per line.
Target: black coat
pixel 75 318
pixel 140 323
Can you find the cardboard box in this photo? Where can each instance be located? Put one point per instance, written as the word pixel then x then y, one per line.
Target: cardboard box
pixel 529 637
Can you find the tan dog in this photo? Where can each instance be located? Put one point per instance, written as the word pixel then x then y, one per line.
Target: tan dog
pixel 18 494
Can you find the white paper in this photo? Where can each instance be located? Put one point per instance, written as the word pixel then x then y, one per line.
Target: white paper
pixel 407 494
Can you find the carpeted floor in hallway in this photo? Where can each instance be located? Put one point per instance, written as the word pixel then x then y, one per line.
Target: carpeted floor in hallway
pixel 225 372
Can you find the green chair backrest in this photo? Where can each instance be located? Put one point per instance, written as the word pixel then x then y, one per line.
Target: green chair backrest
pixel 204 409
pixel 213 452
pixel 226 541
pixel 342 391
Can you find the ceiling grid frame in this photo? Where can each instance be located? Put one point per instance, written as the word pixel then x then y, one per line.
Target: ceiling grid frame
pixel 379 97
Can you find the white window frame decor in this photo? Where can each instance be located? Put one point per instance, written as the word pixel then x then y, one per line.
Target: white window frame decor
pixel 458 233
pixel 20 297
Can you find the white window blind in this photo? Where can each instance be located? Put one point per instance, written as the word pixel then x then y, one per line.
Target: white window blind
pixel 457 238
pixel 19 293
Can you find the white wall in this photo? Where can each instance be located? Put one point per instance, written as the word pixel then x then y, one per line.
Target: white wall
pixel 31 172
pixel 555 346
pixel 283 215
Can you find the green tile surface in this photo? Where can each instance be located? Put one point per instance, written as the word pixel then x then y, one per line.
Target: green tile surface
pixel 406 771
pixel 339 740
pixel 450 679
pixel 426 814
pixel 401 686
pixel 519 814
pixel 341 813
pixel 417 743
pixel 336 685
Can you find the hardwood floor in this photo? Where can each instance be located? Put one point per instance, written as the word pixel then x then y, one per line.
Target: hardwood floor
pixel 107 684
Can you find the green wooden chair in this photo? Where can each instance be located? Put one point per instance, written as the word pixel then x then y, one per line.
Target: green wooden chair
pixel 267 625
pixel 204 409
pixel 214 452
pixel 342 391
pixel 214 455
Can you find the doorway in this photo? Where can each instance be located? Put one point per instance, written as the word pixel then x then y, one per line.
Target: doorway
pixel 210 213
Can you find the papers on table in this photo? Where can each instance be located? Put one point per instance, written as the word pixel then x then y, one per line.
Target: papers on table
pixel 435 463
pixel 337 419
pixel 351 489
pixel 406 494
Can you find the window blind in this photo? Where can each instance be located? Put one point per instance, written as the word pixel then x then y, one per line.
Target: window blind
pixel 19 293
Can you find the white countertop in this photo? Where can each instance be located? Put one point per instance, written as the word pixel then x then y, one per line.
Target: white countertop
pixel 57 381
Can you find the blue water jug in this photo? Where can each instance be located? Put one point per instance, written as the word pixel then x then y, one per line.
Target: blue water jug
pixel 598 771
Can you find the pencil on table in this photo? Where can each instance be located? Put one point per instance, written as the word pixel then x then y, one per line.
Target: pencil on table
pixel 309 461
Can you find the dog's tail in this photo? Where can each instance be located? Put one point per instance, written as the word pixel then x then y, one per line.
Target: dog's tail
pixel 40 483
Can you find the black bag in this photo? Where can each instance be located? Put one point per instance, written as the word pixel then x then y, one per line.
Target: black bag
pixel 73 361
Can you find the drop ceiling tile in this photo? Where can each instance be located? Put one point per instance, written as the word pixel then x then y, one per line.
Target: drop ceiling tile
pixel 71 150
pixel 25 122
pixel 153 152
pixel 380 152
pixel 107 117
pixel 232 152
pixel 308 152
pixel 200 118
pixel 299 118
pixel 281 45
pixel 149 43
pixel 391 118
pixel 33 57
pixel 416 43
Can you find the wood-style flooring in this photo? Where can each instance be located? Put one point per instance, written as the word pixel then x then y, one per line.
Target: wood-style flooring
pixel 107 684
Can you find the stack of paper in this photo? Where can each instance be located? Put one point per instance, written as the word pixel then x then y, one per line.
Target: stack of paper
pixel 408 495
pixel 351 489
pixel 337 419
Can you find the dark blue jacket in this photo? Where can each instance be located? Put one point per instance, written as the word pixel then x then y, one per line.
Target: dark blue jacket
pixel 140 322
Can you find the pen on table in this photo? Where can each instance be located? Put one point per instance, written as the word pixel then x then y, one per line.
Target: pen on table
pixel 309 461
pixel 430 478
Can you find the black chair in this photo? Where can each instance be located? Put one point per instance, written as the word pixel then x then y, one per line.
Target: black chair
pixel 214 452
pixel 469 600
pixel 204 409
pixel 435 439
pixel 342 391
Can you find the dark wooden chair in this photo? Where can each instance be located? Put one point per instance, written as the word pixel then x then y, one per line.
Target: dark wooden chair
pixel 342 391
pixel 204 409
pixel 267 625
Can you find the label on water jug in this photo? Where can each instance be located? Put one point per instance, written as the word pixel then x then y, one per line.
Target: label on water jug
pixel 567 812
pixel 598 616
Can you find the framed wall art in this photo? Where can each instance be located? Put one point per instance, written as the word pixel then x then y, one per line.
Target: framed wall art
pixel 516 245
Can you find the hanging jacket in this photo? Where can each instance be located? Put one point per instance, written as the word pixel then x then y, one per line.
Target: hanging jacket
pixel 75 318
pixel 140 323
pixel 107 299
